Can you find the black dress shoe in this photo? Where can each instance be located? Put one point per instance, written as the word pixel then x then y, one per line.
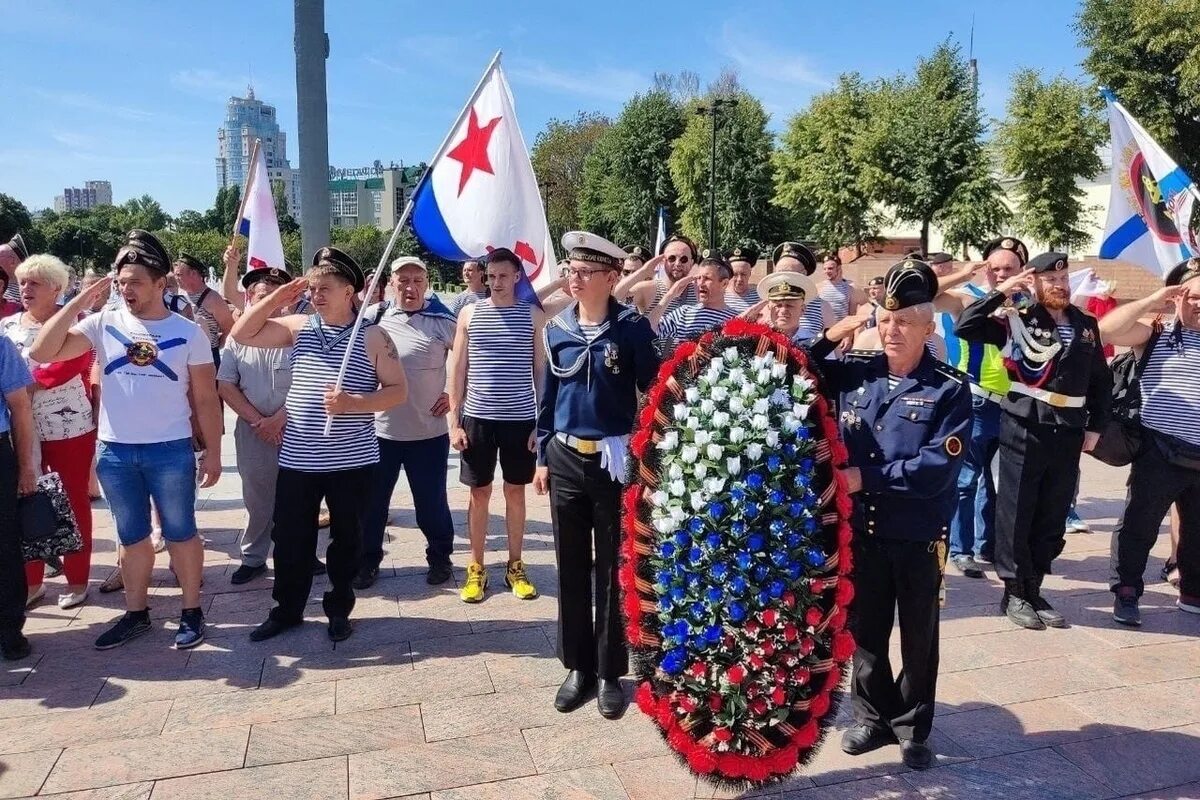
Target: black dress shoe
pixel 14 646
pixel 365 578
pixel 865 738
pixel 340 629
pixel 246 573
pixel 574 691
pixel 916 755
pixel 967 566
pixel 318 567
pixel 1021 612
pixel 438 574
pixel 610 698
pixel 270 629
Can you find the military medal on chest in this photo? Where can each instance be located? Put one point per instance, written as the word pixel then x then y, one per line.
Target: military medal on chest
pixel 612 357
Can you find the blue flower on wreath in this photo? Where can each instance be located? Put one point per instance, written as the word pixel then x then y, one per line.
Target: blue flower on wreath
pixel 776 497
pixel 763 598
pixel 713 541
pixel 682 539
pixel 814 557
pixel 716 510
pixel 778 526
pixel 801 481
pixel 794 570
pixel 810 525
pixel 714 595
pixel 738 586
pixel 737 612
pixel 754 480
pixel 802 432
pixel 761 572
pixel 719 572
pixel 737 494
pixel 666 550
pixel 750 510
pixel 775 589
pixel 698 611
pixel 806 465
pixel 678 595
pixel 674 661
pixel 744 560
pixel 664 578
pixel 779 558
pixel 789 450
pixel 756 543
pixel 695 555
pixel 696 526
pixel 795 509
pixel 794 540
pixel 712 634
pixel 774 463
pixel 738 528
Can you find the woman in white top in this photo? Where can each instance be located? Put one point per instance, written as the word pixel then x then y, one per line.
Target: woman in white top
pixel 62 417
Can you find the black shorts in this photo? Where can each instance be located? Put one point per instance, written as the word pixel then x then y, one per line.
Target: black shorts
pixel 487 438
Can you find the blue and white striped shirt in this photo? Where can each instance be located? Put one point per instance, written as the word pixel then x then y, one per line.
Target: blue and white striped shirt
pixel 465 299
pixel 742 302
pixel 691 321
pixel 316 359
pixel 686 299
pixel 1171 385
pixel 500 363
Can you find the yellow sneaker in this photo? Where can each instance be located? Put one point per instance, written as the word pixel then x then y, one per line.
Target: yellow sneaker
pixel 516 579
pixel 476 585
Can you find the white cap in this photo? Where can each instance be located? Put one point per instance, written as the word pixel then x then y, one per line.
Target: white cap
pixel 404 261
pixel 789 284
pixel 584 246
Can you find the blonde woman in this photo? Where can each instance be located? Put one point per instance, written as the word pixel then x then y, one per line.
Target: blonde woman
pixel 62 416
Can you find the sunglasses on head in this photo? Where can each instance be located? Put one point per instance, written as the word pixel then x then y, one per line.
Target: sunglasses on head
pixel 683 259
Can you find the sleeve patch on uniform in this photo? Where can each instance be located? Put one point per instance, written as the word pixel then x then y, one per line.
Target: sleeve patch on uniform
pixel 953 446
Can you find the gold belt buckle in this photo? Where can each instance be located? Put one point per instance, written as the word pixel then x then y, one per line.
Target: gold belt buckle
pixel 1057 400
pixel 586 447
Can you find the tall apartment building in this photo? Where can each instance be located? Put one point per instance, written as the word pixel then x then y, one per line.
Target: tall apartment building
pixel 246 119
pixel 93 193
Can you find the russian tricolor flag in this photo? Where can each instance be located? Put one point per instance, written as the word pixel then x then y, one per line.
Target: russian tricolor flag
pixel 258 222
pixel 480 192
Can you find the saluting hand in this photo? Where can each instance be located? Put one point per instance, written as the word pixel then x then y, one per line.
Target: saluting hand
pixel 1016 282
pixel 754 312
pixel 289 293
pixel 1163 300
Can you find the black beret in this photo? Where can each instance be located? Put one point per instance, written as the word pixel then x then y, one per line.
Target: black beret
pixel 346 266
pixel 1049 262
pixel 938 258
pixel 745 253
pixel 640 252
pixel 502 255
pixel 678 237
pixel 274 275
pixel 915 255
pixel 17 243
pixel 876 281
pixel 143 247
pixel 193 262
pixel 909 283
pixel 1183 272
pixel 1010 243
pixel 797 251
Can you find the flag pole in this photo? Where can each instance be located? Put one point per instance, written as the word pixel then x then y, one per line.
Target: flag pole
pixel 246 193
pixel 404 215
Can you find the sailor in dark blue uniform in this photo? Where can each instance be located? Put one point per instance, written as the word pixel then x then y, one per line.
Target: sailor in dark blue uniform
pixel 599 354
pixel 904 418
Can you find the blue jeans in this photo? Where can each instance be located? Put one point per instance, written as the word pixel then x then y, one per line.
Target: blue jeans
pixel 424 464
pixel 132 474
pixel 972 529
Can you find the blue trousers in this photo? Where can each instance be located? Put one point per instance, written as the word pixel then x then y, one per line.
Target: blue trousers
pixel 424 464
pixel 972 529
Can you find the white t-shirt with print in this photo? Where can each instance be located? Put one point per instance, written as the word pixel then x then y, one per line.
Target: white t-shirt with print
pixel 144 374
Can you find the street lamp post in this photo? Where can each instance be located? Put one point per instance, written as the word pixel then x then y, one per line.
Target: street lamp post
pixel 714 110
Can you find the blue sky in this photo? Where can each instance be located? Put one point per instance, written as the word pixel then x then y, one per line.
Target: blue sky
pixel 133 92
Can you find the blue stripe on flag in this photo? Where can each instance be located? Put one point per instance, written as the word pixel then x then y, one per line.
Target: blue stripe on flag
pixel 1129 232
pixel 430 226
pixel 1174 182
pixel 244 227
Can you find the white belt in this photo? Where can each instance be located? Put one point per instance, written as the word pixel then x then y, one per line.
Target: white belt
pixel 587 447
pixel 611 450
pixel 1050 398
pixel 979 391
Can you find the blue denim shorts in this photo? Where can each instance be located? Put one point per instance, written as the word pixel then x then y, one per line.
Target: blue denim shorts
pixel 132 474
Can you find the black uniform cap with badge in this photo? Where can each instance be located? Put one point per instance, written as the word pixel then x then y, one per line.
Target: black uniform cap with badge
pixel 592 249
pixel 876 281
pixel 18 246
pixel 1010 243
pixel 342 264
pixel 1183 272
pixel 271 275
pixel 637 252
pixel 909 283
pixel 745 253
pixel 193 263
pixel 1048 262
pixel 711 257
pixel 797 251
pixel 143 247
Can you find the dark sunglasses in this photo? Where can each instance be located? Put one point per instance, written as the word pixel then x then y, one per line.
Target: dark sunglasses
pixel 681 259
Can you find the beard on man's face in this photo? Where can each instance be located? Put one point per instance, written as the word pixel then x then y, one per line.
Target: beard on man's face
pixel 1055 299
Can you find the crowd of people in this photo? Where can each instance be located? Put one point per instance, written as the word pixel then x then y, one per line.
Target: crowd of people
pixel 937 369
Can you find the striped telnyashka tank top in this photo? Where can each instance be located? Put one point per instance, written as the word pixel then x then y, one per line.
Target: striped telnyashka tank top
pixel 316 359
pixel 688 298
pixel 837 296
pixel 500 363
pixel 1171 384
pixel 742 302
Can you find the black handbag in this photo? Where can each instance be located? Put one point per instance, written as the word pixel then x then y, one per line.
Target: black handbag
pixel 1176 451
pixel 1123 438
pixel 48 525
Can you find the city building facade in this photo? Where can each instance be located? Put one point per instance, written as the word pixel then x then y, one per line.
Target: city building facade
pixel 93 193
pixel 246 119
pixel 372 195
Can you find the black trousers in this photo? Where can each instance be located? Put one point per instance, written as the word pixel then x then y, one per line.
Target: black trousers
pixel 12 557
pixel 1154 484
pixel 585 508
pixel 1039 466
pixel 298 497
pixel 891 575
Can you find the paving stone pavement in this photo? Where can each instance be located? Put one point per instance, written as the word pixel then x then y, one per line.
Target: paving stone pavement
pixel 437 700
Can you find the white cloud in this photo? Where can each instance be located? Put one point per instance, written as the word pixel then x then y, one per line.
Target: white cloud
pixel 761 60
pixel 85 102
pixel 603 83
pixel 207 81
pixel 72 139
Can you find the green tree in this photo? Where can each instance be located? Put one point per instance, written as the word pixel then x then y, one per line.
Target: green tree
pixel 1047 142
pixel 208 246
pixel 922 139
pixel 626 177
pixel 817 171
pixel 558 156
pixel 14 217
pixel 225 208
pixel 976 211
pixel 282 212
pixel 365 244
pixel 144 212
pixel 1148 53
pixel 190 221
pixel 744 186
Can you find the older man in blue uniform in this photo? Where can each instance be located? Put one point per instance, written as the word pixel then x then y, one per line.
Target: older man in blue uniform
pixel 599 354
pixel 904 417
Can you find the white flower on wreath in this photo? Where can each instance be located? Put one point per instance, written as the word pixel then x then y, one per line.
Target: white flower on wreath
pixel 702 438
pixel 714 452
pixel 772 438
pixel 737 435
pixel 680 412
pixel 759 422
pixel 720 419
pixel 736 405
pixel 737 376
pixel 707 407
pixel 778 371
pixel 716 364
pixel 714 485
pixel 664 525
pixel 692 395
pixel 761 405
pixel 670 440
pixel 731 355
pixel 693 423
pixel 677 515
pixel 720 394
pixel 675 472
pixel 790 423
pixel 733 465
pixel 697 500
pixel 749 390
pixel 800 410
pixel 659 498
pixel 800 385
pixel 754 450
pixel 763 377
pixel 689 454
pixel 677 488
pixel 701 470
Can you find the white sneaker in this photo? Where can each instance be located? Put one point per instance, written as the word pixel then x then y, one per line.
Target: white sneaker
pixel 35 596
pixel 72 599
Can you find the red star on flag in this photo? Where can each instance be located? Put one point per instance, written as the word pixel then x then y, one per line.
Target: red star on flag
pixel 471 152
